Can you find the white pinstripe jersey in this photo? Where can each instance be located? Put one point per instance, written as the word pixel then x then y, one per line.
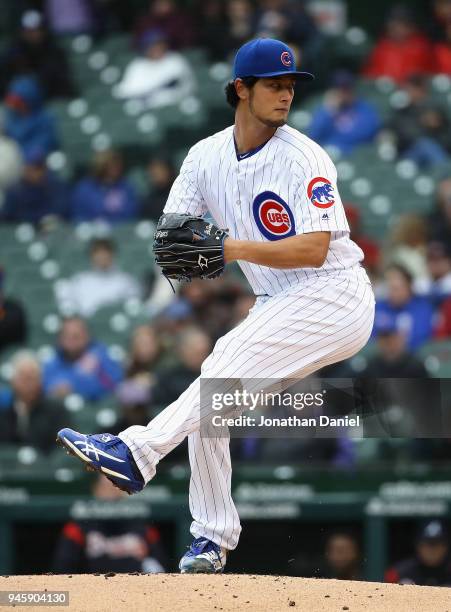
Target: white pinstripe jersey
pixel 285 187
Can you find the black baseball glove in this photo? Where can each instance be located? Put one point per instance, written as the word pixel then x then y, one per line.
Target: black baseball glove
pixel 188 247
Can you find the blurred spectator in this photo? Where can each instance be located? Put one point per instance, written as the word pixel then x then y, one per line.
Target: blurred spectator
pixel 11 162
pixel 439 221
pixel 212 20
pixel 442 52
pixel 408 240
pixel 402 50
pixel 80 365
pixel 192 348
pixel 143 359
pixel 340 559
pixel 38 194
pixel 344 121
pixel 159 77
pixel 443 325
pixel 30 418
pixel 241 308
pixel 145 353
pixel 158 293
pixel 207 305
pixel 343 557
pixel 392 359
pixel 161 175
pixel 134 404
pixel 35 52
pixel 421 129
pixel 217 316
pixel 103 285
pixel 106 194
pixel 441 17
pixel 26 120
pixel 240 24
pixel 370 248
pixel 120 545
pixel 13 321
pixel 436 284
pixel 70 16
pixel 167 17
pixel 431 564
pixel 190 304
pixel 411 315
pixel 289 21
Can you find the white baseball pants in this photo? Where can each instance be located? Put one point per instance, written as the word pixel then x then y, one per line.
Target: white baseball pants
pixel 288 335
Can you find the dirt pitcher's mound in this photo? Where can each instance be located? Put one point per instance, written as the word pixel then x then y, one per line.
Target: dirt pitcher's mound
pixel 169 592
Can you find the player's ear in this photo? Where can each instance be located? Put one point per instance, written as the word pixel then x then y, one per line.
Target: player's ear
pixel 241 90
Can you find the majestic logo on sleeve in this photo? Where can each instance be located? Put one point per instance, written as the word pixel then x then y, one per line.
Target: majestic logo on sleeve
pixel 321 193
pixel 285 58
pixel 273 216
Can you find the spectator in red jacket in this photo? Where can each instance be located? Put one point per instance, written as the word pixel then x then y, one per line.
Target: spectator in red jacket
pixel 369 247
pixel 443 328
pixel 401 51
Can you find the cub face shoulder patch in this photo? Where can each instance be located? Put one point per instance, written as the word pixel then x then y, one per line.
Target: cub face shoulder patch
pixel 320 192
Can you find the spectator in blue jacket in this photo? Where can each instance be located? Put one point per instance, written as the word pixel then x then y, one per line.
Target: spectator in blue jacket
pixel 105 195
pixel 80 365
pixel 344 120
pixel 39 193
pixel 409 314
pixel 27 121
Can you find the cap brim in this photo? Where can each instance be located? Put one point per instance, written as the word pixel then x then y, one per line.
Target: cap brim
pixel 302 76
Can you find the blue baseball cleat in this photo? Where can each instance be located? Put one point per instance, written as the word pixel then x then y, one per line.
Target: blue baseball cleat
pixel 203 557
pixel 104 453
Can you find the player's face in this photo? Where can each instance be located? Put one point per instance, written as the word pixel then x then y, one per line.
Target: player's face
pixel 270 100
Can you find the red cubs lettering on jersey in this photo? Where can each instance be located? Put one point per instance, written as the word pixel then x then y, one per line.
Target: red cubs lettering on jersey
pixel 273 216
pixel 321 192
pixel 285 58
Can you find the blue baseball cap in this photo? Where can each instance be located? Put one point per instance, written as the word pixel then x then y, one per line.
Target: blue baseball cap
pixel 266 57
pixel 385 324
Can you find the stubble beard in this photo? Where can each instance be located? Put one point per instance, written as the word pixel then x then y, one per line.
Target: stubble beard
pixel 267 122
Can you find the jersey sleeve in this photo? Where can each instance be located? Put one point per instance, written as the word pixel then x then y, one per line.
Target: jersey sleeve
pixel 318 205
pixel 185 196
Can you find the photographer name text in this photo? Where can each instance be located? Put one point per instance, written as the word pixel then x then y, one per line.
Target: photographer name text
pixel 291 421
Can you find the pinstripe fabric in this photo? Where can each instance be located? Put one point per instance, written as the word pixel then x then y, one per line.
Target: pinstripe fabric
pixel 289 335
pixel 305 319
pixel 212 178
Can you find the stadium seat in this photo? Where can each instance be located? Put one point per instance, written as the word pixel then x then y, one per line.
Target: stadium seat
pixel 436 356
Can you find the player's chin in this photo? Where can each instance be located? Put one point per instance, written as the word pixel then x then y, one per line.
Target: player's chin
pixel 277 122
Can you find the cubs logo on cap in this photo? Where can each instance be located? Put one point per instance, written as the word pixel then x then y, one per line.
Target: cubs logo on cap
pixel 320 192
pixel 285 58
pixel 273 216
pixel 266 57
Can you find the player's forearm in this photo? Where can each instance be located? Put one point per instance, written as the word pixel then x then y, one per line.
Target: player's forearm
pixel 304 251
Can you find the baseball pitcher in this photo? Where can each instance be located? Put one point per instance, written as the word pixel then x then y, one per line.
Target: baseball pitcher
pixel 275 191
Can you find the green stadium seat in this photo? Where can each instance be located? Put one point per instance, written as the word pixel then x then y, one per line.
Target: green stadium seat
pixel 13 456
pixel 115 44
pixel 436 356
